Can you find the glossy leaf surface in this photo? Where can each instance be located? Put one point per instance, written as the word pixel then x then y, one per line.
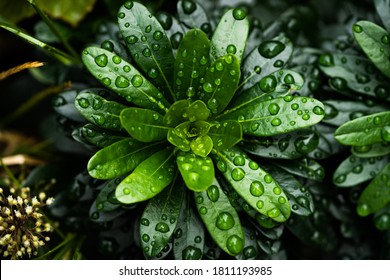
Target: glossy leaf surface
pixel 189 235
pixel 230 35
pixel 120 158
pixel 106 200
pixel 159 219
pixel 149 178
pixel 256 186
pixel 124 79
pixel 377 194
pixel 304 167
pixel 276 116
pixel 191 63
pixel 143 124
pixel 99 137
pixel 365 130
pixel 220 83
pixel 197 172
pixel 373 40
pixel 148 44
pixel 354 170
pixel 220 218
pixel 193 15
pixel 375 150
pixel 225 134
pixel 99 111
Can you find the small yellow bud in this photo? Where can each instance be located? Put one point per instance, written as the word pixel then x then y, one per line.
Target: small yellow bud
pixel 28 209
pixel 20 200
pixel 49 201
pixel 35 201
pixel 42 196
pixel 17 213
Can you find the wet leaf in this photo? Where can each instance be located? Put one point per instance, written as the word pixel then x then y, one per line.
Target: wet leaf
pixel 382 7
pixel 106 200
pixel 374 41
pixel 197 171
pixel 148 179
pixel 304 167
pixel 251 249
pixel 230 35
pixel 366 130
pixel 268 57
pixel 160 218
pixel 375 150
pixel 256 186
pixel 63 104
pixel 354 170
pixel 123 78
pixel 377 194
pixel 143 124
pixel 193 15
pixel 225 135
pixel 148 44
pixel 220 219
pixel 120 158
pixel 189 235
pixel 191 64
pixel 276 116
pixel 220 83
pixel 99 137
pixel 382 218
pixel 177 113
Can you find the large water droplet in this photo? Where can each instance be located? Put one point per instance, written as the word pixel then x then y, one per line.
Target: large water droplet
pixel 238 174
pixel 131 39
pixel 101 60
pixel 83 102
pixel 129 5
pixel 357 28
pixel 270 49
pixel 326 60
pixel 363 209
pixel 213 193
pixel 225 221
pixel 145 222
pixel 256 188
pixel 273 109
pixel 191 253
pixel 239 14
pixel 234 244
pixel 268 83
pixel 273 213
pixel 162 227
pixel 231 49
pixel 122 82
pixel 137 81
pixel 385 133
pixel 276 122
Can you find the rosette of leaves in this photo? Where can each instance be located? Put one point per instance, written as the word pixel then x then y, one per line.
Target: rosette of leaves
pixel 363 118
pixel 186 116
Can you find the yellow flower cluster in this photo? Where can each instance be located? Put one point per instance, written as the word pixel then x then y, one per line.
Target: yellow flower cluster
pixel 22 228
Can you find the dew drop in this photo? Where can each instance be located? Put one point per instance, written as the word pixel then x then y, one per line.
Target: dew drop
pixel 363 209
pixel 234 244
pixel 162 227
pixel 385 133
pixel 208 87
pixel 126 191
pixel 277 190
pixel 188 6
pixel 129 5
pixel 225 221
pixel 132 39
pixel 260 204
pixel 231 49
pixel 318 110
pixel 219 66
pixel 238 174
pixel 146 52
pixel 268 83
pixel 145 238
pixel 145 222
pixel 326 60
pixel 101 60
pixel 203 210
pixel 191 253
pixel 256 188
pixel 273 109
pixel 137 81
pixel 273 213
pixel 97 103
pixel 83 102
pixel 239 14
pixel 357 28
pixel 239 160
pixel 148 29
pixel 121 15
pixel 276 122
pixel 340 179
pixel 122 82
pixel 270 49
pixel 268 178
pixel 213 193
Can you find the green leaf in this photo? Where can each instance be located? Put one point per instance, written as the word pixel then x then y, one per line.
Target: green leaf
pixel 148 44
pixel 201 145
pixel 177 113
pixel 192 61
pixel 286 146
pixel 159 219
pixel 198 111
pixel 276 84
pixel 192 15
pixel 220 83
pixel 120 158
pixel 124 79
pixel 100 112
pixel 225 134
pixel 366 130
pixel 63 104
pixel 338 112
pixel 374 41
pixel 103 217
pixel 355 73
pixel 304 167
pixel 143 124
pixel 220 219
pixel 148 179
pixel 376 195
pixel 251 249
pixel 276 116
pixel 99 137
pixel 106 200
pixel 230 35
pixel 197 172
pixel 268 57
pixel 253 184
pixel 354 170
pixel 300 198
pixel 178 136
pixel 381 218
pixel 327 144
pixel 374 150
pixel 189 235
